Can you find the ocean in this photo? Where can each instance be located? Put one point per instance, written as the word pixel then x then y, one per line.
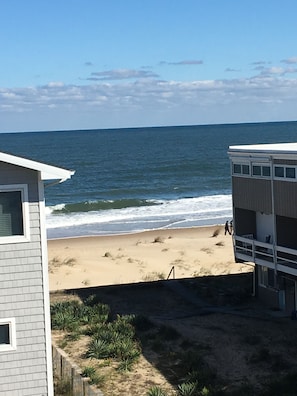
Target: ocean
pixel 131 180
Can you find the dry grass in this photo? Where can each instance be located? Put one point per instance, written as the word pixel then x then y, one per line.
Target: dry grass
pixel 158 239
pixel 207 250
pixel 216 232
pixel 56 263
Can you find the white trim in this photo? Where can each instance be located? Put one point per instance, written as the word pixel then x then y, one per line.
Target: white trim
pixel 23 188
pixel 12 335
pixel 45 281
pixel 48 172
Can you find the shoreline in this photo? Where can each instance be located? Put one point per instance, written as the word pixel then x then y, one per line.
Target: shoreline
pixel 154 230
pixel 103 260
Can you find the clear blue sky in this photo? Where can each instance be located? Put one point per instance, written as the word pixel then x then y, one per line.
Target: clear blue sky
pixel 80 64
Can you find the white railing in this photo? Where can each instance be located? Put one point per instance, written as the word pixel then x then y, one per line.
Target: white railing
pixel 248 249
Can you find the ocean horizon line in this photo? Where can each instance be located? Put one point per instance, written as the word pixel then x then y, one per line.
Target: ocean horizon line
pixel 248 123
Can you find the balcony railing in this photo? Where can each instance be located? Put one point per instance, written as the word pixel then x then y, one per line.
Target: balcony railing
pixel 249 249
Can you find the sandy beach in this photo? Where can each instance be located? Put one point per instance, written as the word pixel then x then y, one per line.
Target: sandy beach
pixel 146 256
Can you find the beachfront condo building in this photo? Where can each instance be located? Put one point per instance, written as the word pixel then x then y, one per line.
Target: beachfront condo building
pixel 264 195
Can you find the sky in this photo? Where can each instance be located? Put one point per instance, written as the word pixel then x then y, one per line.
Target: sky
pixel 96 64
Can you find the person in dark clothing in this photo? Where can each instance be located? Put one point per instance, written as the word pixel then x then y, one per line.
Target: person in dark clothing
pixel 227 228
pixel 231 226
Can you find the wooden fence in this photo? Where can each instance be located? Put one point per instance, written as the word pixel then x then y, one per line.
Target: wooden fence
pixel 66 370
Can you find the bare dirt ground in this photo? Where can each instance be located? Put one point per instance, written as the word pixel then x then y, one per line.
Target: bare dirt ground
pixel 244 344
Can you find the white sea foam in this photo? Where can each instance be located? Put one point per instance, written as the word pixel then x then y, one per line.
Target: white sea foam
pixel 185 212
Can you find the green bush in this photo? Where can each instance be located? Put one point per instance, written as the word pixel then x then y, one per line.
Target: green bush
pixel 98 349
pixel 88 371
pixel 156 391
pixel 188 389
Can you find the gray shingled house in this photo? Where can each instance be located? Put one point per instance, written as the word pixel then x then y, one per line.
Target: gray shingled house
pixel 264 192
pixel 25 337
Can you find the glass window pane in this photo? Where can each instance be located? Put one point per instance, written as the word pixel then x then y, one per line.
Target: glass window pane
pixel 279 171
pixel 236 168
pixel 266 170
pixel 256 170
pixel 290 173
pixel 245 169
pixel 4 334
pixel 11 215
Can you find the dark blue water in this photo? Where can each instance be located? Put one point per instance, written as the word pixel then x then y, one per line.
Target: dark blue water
pixel 141 178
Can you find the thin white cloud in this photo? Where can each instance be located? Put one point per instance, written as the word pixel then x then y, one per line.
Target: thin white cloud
pixel 274 71
pixel 260 63
pixel 229 69
pixel 290 61
pixel 121 74
pixel 183 63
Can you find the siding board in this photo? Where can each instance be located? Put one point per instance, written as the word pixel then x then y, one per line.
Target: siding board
pixel 252 194
pixel 21 297
pixel 285 198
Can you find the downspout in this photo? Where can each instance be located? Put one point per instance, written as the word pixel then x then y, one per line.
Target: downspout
pixel 46 296
pixel 273 214
pixel 274 239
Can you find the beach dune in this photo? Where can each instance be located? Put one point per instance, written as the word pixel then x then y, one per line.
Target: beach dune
pixel 139 257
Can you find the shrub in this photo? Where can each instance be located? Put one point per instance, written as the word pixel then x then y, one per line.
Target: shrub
pixel 96 379
pixel 188 389
pixel 98 349
pixel 156 391
pixel 88 371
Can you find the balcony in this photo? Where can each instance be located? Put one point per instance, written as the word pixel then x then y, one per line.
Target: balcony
pixel 277 257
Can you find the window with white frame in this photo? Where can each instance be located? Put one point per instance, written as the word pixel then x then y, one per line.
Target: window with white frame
pixel 7 335
pixel 14 213
pixel 241 169
pixel 260 170
pixel 285 172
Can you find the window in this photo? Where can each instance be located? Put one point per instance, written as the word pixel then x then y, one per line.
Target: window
pixel 261 170
pixel 241 169
pixel 266 171
pixel 285 172
pixel 14 226
pixel 7 335
pixel 256 170
pixel 236 168
pixel 290 173
pixel 279 171
pixel 245 169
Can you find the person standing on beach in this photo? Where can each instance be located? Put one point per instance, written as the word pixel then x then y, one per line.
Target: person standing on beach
pixel 227 228
pixel 231 227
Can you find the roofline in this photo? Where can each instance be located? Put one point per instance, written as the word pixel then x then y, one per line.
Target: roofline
pixel 48 172
pixel 274 150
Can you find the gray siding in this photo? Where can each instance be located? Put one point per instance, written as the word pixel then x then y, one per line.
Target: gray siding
pixel 252 194
pixel 285 198
pixel 23 371
pixel 285 162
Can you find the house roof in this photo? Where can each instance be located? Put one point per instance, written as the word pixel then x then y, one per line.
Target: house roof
pixel 275 148
pixel 48 172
